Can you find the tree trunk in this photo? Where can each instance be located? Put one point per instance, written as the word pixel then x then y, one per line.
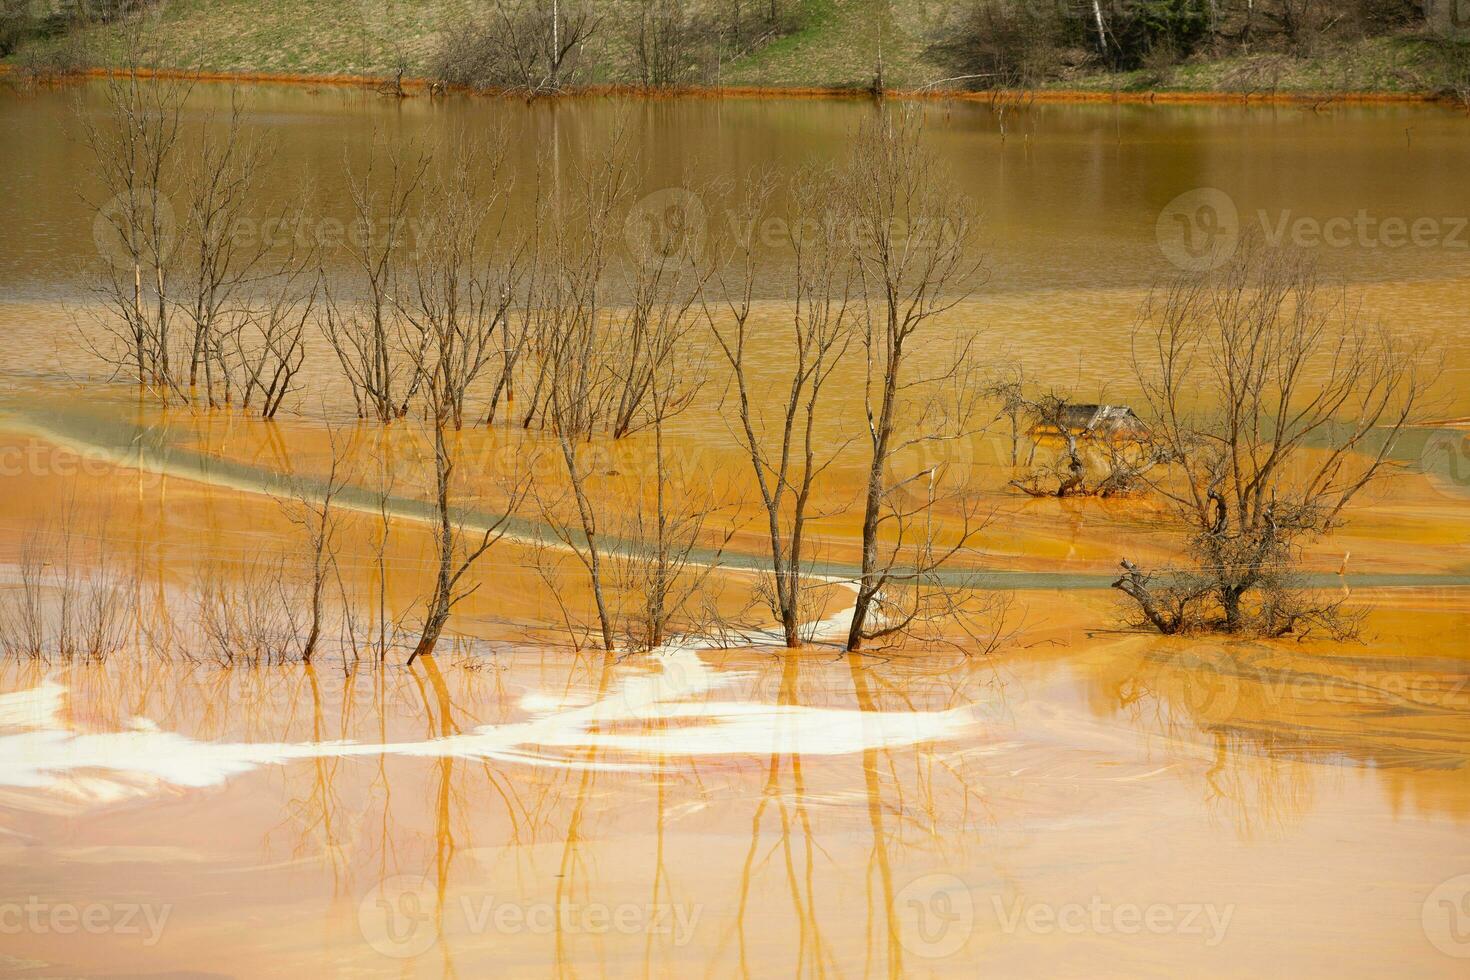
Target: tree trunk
pixel 1230 600
pixel 439 604
pixel 1135 586
pixel 1102 30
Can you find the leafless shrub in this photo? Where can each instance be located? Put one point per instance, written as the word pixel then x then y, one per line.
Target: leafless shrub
pixel 250 612
pixel 70 602
pixel 360 316
pixel 518 44
pixel 311 508
pixel 1278 404
pixel 464 280
pixel 23 626
pixel 669 40
pixel 1103 450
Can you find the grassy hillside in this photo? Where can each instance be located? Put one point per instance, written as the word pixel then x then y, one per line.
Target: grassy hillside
pixel 826 44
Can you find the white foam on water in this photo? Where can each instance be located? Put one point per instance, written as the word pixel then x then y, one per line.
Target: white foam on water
pixel 644 718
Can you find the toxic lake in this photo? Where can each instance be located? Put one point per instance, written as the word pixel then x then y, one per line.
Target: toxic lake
pixel 1033 784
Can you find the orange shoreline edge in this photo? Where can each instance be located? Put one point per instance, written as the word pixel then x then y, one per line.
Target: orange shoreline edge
pixel 809 92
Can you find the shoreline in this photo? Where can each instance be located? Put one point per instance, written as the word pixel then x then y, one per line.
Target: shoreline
pixel 421 86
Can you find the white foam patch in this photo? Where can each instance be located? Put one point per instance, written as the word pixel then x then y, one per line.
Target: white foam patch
pixel 645 718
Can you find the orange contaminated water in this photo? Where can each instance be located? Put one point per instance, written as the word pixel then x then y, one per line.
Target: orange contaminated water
pixel 1083 800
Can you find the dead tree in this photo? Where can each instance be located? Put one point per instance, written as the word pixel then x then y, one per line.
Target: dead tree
pixel 1278 404
pixel 656 571
pixel 270 341
pixel 614 373
pixel 462 288
pixel 311 507
pixel 135 149
pixel 578 369
pixel 456 311
pixel 360 322
pixel 910 241
pixel 786 455
pixel 219 186
pixel 520 45
pixel 1010 392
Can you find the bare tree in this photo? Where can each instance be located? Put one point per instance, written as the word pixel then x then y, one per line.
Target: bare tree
pixel 658 568
pixel 136 156
pixel 1010 392
pixel 787 455
pixel 464 278
pixel 362 328
pixel 519 45
pixel 197 312
pixel 270 340
pixel 312 508
pixel 219 185
pixel 910 230
pixel 610 373
pixel 456 550
pixel 1278 404
pixel 463 284
pixel 579 374
pixel 665 37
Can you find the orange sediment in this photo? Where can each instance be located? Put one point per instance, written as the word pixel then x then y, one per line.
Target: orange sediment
pixel 925 94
